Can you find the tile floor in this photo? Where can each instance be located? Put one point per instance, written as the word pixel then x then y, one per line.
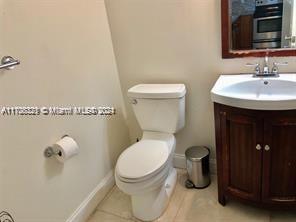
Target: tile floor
pixel 188 206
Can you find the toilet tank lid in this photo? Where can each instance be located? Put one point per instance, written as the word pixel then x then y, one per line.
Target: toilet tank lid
pixel 157 91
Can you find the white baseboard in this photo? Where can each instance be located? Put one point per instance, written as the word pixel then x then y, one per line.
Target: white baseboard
pixel 86 208
pixel 180 162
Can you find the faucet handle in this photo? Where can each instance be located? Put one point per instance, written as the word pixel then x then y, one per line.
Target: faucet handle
pixel 275 69
pixel 256 65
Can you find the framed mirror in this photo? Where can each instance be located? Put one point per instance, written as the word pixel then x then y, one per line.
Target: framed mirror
pixel 257 27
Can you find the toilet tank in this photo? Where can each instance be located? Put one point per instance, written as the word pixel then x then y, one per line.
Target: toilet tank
pixel 159 107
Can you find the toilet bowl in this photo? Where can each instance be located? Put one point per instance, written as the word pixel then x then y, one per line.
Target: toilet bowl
pixel 149 185
pixel 145 169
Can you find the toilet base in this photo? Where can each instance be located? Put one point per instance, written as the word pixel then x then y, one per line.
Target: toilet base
pixel 151 205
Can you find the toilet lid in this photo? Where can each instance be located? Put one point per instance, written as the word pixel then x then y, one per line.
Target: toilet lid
pixel 142 159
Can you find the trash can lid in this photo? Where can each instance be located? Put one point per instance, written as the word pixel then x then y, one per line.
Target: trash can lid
pixel 196 153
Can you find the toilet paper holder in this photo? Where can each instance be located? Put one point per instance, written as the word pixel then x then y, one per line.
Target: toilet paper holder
pixel 51 151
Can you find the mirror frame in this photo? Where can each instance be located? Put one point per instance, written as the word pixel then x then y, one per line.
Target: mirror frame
pixel 226 40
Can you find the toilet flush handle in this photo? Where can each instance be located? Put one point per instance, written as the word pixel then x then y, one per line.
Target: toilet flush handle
pixel 134 102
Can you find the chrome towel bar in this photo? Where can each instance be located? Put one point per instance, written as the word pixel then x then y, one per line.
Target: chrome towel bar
pixel 8 62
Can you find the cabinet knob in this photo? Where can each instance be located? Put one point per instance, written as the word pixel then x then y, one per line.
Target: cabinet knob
pixel 258 147
pixel 267 148
pixel 223 113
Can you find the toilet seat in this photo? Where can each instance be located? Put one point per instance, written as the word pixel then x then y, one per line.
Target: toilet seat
pixel 142 160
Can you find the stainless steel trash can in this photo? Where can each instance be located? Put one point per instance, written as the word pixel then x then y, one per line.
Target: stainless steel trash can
pixel 198 167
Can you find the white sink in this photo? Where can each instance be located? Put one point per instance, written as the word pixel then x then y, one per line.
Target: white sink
pixel 244 91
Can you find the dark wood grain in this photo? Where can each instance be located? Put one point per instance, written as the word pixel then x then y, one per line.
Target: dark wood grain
pixel 221 197
pixel 226 40
pixel 279 172
pixel 260 177
pixel 242 162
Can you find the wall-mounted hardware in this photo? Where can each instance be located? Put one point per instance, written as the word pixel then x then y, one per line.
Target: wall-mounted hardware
pixel 50 151
pixel 63 149
pixel 8 63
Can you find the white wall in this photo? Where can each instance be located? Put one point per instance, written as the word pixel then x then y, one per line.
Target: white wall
pixel 67 59
pixel 1 156
pixel 294 20
pixel 171 41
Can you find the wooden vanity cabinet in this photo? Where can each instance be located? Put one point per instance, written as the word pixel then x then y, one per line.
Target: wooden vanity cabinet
pixel 256 156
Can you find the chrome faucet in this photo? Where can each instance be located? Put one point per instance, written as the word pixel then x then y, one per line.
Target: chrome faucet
pixel 275 68
pixel 266 71
pixel 257 68
pixel 266 66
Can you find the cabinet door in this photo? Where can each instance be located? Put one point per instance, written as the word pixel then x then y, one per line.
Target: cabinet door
pixel 279 161
pixel 242 155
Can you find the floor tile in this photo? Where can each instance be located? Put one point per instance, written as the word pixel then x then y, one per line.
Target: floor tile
pixel 235 211
pixel 176 199
pixel 198 206
pixel 189 205
pixel 117 203
pixel 100 216
pixel 282 216
pixel 202 205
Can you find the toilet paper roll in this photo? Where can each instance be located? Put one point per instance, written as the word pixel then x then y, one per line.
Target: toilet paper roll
pixel 67 148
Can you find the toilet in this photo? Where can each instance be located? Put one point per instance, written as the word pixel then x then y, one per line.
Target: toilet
pixel 145 169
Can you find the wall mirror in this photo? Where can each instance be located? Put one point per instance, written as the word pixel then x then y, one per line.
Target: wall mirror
pixel 257 27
